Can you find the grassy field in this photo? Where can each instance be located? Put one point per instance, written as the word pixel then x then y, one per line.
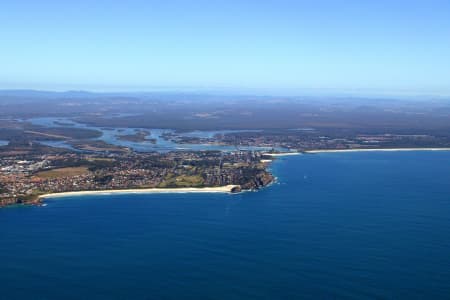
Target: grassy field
pixel 183 181
pixel 62 172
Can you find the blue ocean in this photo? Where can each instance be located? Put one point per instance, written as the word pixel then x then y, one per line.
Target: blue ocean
pixel 334 226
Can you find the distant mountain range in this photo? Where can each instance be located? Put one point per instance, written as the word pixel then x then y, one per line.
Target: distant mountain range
pixel 316 94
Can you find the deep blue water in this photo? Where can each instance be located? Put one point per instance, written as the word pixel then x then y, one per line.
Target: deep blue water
pixel 353 225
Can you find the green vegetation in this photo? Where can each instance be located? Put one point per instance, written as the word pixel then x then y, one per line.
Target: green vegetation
pixel 182 181
pixel 138 136
pixel 62 172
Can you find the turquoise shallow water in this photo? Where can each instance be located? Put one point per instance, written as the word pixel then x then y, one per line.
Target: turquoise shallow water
pixel 351 225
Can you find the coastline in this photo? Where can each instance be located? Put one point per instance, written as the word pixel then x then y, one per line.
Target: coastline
pixel 374 150
pixel 282 154
pixel 219 189
pixel 265 161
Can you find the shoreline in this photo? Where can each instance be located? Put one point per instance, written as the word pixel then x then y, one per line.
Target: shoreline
pixel 282 154
pixel 351 150
pixel 219 189
pixel 265 161
pixel 374 150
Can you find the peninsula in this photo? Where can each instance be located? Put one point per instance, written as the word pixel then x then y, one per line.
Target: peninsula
pixel 38 172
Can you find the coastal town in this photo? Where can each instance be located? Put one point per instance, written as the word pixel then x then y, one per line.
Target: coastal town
pixel 23 178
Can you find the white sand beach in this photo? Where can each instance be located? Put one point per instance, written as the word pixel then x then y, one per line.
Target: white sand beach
pixel 377 150
pixel 265 161
pixel 220 189
pixel 282 154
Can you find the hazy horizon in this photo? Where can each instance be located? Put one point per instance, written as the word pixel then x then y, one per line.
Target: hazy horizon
pixel 243 92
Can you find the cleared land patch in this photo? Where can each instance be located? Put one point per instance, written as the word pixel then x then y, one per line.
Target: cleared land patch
pixel 63 172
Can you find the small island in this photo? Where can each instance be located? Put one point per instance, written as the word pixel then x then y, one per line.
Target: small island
pixel 137 137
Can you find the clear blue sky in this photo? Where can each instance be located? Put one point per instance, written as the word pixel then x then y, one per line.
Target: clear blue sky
pixel 383 45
